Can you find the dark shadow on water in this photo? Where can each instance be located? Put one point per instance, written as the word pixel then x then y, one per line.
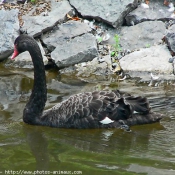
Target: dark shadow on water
pixel 48 145
pixel 38 145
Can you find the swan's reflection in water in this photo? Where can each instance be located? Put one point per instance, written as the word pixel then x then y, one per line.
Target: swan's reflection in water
pixel 98 149
pixel 38 145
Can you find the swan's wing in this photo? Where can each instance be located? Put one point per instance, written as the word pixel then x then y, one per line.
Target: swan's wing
pixel 93 109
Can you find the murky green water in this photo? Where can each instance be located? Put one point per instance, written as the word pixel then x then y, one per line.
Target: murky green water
pixel 148 149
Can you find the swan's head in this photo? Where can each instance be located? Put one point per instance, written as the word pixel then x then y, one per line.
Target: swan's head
pixel 21 44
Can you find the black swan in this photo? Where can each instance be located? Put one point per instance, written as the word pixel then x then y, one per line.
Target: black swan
pixel 98 109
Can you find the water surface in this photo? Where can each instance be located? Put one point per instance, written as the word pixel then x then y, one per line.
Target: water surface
pixel 148 149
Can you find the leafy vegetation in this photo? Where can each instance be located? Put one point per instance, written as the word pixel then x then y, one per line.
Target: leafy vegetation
pixel 33 1
pixel 116 47
pixel 148 45
pixel 100 39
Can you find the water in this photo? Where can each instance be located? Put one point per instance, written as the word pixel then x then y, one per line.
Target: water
pixel 25 149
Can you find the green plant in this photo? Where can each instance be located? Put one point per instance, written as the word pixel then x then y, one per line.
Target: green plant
pixel 100 39
pixel 33 1
pixel 148 45
pixel 116 47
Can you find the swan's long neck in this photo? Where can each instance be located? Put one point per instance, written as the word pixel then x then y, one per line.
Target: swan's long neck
pixel 35 106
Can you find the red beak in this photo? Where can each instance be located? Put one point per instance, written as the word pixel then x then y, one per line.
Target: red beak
pixel 15 53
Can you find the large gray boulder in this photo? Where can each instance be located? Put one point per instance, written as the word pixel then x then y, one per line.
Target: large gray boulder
pixel 9 26
pixel 64 32
pixel 80 49
pixel 153 59
pixel 111 12
pixel 156 11
pixel 36 25
pixel 145 34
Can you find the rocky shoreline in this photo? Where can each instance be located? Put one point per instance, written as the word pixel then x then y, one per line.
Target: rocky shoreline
pixel 97 38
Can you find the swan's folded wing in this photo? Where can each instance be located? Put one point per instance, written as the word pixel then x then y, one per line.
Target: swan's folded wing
pixel 95 109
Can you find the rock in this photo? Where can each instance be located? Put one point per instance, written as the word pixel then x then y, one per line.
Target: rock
pixel 36 25
pixel 171 60
pixel 77 50
pixel 9 26
pixel 94 67
pixel 71 43
pixel 153 59
pixel 170 39
pixel 111 12
pixel 156 11
pixel 24 59
pixel 8 1
pixel 145 34
pixel 64 32
pixel 21 1
pixel 91 68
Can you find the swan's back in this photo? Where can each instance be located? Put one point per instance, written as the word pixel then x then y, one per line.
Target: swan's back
pixel 91 109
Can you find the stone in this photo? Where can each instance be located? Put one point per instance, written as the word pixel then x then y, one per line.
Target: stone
pixel 145 34
pixel 36 25
pixel 111 12
pixel 95 67
pixel 156 11
pixel 170 39
pixel 78 50
pixel 8 1
pixel 64 32
pixel 153 59
pixel 9 26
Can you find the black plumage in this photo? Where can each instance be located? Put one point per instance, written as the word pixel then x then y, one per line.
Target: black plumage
pixel 98 109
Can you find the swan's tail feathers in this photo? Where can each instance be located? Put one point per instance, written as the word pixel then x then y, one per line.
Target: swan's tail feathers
pixel 138 119
pixel 138 104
